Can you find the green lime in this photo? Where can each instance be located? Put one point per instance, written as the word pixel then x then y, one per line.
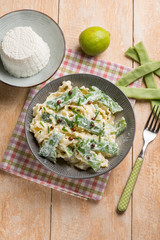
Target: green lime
pixel 94 40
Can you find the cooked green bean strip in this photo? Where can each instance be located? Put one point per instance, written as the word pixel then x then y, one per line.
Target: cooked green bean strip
pixel 131 52
pixel 46 117
pixel 69 151
pixel 68 97
pixel 89 125
pixel 120 126
pixel 137 73
pixel 92 96
pixel 96 94
pixel 48 149
pixel 111 104
pixel 104 146
pixel 106 100
pixel 63 120
pixel 141 93
pixel 90 156
pixel 59 119
pixel 149 79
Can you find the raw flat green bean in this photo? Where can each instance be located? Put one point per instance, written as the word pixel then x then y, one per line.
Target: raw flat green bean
pixel 131 53
pixel 137 73
pixel 157 72
pixel 141 93
pixel 142 53
pixel 149 79
pixel 144 58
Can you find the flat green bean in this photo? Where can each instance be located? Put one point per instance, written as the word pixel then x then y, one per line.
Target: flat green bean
pixel 144 58
pixel 131 53
pixel 141 93
pixel 137 73
pixel 48 148
pixel 149 79
pixel 120 126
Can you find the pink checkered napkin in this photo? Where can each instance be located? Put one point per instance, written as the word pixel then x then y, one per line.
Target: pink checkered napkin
pixel 19 160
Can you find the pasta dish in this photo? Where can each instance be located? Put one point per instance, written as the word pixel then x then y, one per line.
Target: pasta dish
pixel 77 124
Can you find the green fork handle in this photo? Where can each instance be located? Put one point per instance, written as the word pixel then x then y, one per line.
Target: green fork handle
pixel 124 200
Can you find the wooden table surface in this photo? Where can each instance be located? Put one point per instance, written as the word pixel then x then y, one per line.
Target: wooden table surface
pixel 29 211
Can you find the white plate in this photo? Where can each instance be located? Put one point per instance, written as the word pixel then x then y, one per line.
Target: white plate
pixel 51 33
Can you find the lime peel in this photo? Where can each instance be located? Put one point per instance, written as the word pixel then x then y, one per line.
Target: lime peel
pixel 94 40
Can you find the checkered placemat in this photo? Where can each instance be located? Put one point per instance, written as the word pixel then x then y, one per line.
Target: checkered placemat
pixel 19 160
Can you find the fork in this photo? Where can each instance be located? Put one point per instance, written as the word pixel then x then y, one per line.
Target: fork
pixel 150 132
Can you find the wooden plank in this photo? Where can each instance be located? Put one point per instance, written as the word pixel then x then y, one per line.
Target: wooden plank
pixel 24 209
pixel 146 196
pixel 24 206
pixel 74 218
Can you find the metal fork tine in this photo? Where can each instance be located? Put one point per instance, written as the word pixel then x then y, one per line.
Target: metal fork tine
pixel 149 128
pixel 158 128
pixel 156 122
pixel 149 118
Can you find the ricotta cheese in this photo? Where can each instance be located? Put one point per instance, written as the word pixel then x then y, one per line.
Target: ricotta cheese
pixel 23 52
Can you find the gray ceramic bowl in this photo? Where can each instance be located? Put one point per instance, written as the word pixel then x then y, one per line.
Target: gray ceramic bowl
pixel 51 33
pixel 124 141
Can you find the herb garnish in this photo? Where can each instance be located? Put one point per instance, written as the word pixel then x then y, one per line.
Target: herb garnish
pixel 96 112
pixel 42 124
pixel 64 129
pixel 91 88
